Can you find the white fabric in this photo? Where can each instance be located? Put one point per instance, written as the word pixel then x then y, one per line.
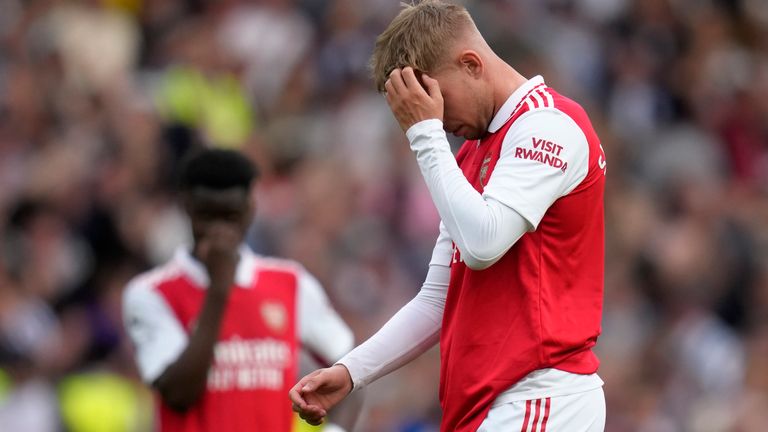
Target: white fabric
pixel 159 338
pixel 528 186
pixel 580 412
pixel 483 227
pixel 157 335
pixel 412 330
pixel 549 382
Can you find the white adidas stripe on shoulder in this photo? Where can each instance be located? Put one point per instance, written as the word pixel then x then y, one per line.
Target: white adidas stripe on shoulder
pixel 539 101
pixel 529 104
pixel 549 100
pixel 539 98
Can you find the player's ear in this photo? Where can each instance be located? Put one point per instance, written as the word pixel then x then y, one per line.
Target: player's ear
pixel 471 63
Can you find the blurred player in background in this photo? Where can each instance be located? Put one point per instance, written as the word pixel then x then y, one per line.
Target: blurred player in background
pixel 515 285
pixel 218 330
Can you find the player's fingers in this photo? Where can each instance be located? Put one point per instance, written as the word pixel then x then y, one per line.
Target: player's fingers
pixel 202 248
pixel 314 421
pixel 296 398
pixel 312 411
pixel 311 384
pixel 224 234
pixel 388 96
pixel 296 392
pixel 433 87
pixel 396 77
pixel 409 77
pixel 389 88
pixel 312 415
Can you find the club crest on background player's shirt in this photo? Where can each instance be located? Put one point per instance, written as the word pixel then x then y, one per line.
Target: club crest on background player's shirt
pixel 274 315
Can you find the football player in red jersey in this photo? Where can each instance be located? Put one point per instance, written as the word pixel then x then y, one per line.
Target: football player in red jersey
pixel 515 285
pixel 218 329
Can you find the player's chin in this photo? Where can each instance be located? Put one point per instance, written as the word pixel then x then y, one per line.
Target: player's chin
pixel 471 134
pixel 462 131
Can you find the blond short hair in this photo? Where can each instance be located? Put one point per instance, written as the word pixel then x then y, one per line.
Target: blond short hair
pixel 419 36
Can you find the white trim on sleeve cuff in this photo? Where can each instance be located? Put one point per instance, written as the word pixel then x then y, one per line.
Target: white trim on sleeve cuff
pixel 423 127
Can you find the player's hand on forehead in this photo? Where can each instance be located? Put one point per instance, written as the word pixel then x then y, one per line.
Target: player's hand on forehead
pixel 404 78
pixel 412 100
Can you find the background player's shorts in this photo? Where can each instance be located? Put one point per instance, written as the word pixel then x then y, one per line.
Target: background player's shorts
pixel 580 412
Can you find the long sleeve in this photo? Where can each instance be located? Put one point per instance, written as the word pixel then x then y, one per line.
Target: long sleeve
pixel 412 330
pixel 518 193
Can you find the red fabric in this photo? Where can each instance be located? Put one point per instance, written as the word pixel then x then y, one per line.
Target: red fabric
pixel 539 306
pixel 255 358
pixel 546 417
pixel 527 416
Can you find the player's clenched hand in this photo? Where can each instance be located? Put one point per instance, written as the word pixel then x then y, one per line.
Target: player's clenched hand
pixel 320 391
pixel 409 101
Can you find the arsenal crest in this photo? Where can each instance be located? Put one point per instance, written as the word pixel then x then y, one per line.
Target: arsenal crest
pixel 274 315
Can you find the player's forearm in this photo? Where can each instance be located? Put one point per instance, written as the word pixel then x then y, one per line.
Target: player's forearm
pixel 409 333
pixel 184 380
pixel 483 229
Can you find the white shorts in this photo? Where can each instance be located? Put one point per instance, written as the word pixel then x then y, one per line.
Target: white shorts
pixel 580 412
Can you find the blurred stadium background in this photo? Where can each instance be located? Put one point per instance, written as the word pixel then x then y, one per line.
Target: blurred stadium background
pixel 99 100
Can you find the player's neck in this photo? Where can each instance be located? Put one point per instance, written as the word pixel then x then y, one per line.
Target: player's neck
pixel 507 82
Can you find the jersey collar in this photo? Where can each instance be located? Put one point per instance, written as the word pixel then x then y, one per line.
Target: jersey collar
pixel 510 106
pixel 245 273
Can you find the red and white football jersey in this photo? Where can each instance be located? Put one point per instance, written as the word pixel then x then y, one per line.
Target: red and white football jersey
pixel 518 320
pixel 274 308
pixel 538 307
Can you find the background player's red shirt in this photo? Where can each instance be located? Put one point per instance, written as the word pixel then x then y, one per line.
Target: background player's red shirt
pixel 274 308
pixel 255 358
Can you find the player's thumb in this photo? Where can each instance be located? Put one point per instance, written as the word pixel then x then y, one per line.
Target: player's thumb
pixel 433 87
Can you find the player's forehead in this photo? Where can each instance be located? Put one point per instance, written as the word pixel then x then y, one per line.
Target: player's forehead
pixel 211 200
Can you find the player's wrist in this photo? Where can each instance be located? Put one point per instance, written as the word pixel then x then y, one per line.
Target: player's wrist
pixel 343 371
pixel 423 127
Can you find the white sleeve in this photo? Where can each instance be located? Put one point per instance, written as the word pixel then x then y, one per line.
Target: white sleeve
pixel 157 335
pixel 321 330
pixel 412 330
pixel 519 190
pixel 526 184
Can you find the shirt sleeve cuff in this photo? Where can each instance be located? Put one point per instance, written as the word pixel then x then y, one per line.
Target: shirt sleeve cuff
pixel 354 374
pixel 423 127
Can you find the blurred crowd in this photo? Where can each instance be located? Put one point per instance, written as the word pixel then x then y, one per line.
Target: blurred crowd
pixel 100 99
